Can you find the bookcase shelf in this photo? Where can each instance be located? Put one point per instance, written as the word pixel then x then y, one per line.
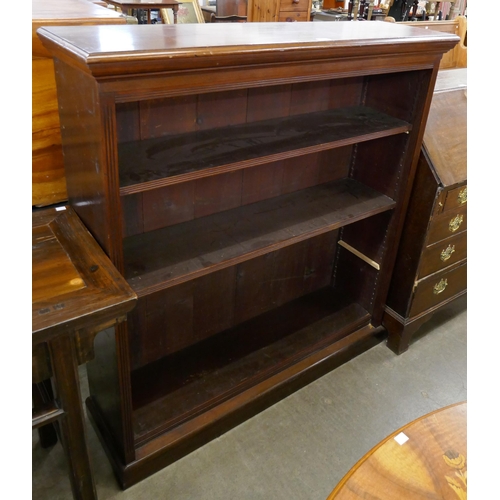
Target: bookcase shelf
pixel 157 162
pixel 226 238
pixel 203 376
pixel 250 182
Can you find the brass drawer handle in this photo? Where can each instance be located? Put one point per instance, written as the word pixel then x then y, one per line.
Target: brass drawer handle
pixel 439 287
pixel 462 196
pixel 446 253
pixel 455 223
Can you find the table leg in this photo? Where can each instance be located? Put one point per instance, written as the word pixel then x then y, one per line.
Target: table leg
pixel 41 394
pixel 73 433
pixel 175 9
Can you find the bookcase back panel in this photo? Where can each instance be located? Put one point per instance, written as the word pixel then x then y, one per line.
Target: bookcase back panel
pixel 379 164
pixel 154 118
pixel 397 94
pixel 368 236
pixel 279 277
pixel 189 113
pixel 180 316
pixel 355 278
pixel 173 204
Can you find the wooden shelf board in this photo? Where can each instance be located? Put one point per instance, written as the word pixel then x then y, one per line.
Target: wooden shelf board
pixel 168 447
pixel 153 163
pixel 192 381
pixel 175 254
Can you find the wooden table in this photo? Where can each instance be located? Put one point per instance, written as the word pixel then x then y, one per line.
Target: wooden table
pixel 425 459
pixel 76 293
pixel 148 5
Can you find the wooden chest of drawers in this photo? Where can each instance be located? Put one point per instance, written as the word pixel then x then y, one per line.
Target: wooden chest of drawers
pixel 431 268
pixel 279 10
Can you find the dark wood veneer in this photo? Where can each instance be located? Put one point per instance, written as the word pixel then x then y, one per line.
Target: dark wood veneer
pixel 251 183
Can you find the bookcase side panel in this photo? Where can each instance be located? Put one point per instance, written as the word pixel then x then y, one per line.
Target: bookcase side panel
pixel 412 102
pixel 88 134
pixel 110 401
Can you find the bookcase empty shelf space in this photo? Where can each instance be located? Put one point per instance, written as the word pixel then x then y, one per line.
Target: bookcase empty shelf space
pixel 207 374
pixel 166 160
pixel 168 256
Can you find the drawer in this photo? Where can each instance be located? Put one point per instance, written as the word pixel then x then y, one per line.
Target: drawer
pixel 293 16
pixel 287 6
pixel 433 290
pixel 447 224
pixel 455 198
pixel 443 254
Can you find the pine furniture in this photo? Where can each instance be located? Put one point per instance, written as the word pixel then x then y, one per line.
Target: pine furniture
pixel 279 10
pixel 457 57
pixel 250 182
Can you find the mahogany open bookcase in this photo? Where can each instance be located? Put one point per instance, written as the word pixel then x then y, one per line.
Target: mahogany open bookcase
pixel 250 181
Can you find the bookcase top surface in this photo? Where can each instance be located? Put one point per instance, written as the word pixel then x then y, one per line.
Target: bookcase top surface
pixel 91 45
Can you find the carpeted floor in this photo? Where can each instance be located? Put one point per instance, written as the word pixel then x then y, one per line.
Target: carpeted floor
pixel 300 448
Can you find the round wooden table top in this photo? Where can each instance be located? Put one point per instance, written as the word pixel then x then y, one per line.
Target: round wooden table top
pixel 425 459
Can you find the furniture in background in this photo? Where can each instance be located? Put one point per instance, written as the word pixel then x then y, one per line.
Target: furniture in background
pixel 251 187
pixel 426 458
pixel 431 268
pixel 227 19
pixel 359 10
pixel 225 8
pixel 189 12
pixel 76 293
pixel 339 15
pixel 333 4
pixel 129 6
pixel 48 180
pixel 231 8
pixel 414 10
pixel 403 10
pixel 207 11
pixel 456 57
pixel 279 10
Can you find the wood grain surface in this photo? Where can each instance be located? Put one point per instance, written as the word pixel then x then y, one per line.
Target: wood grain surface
pixel 431 463
pixel 48 178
